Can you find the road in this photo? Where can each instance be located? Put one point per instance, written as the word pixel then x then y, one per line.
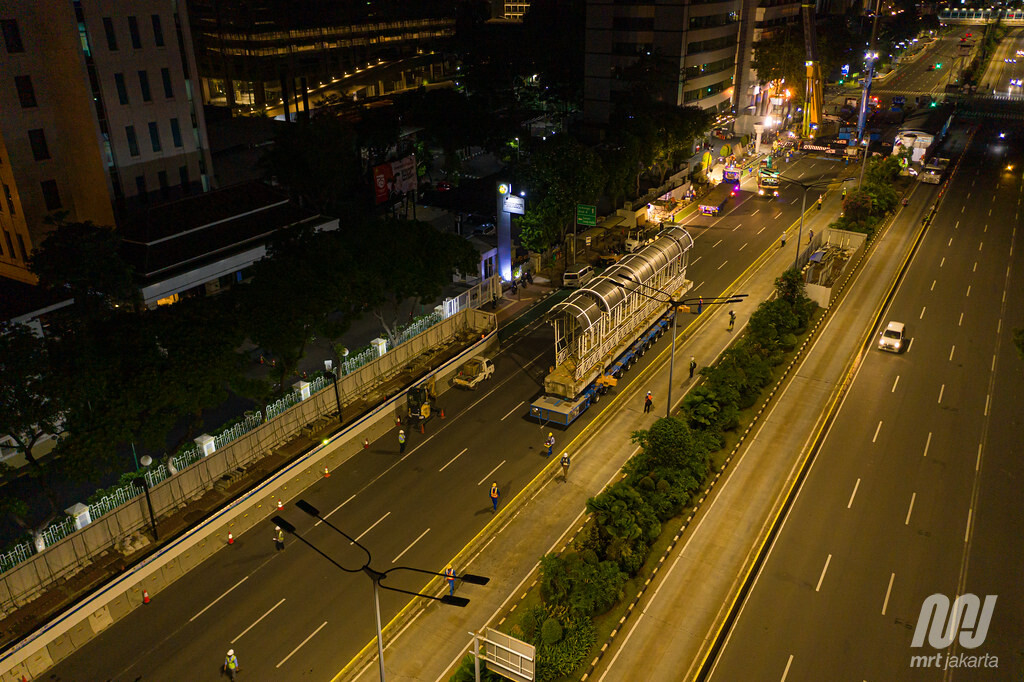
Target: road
pixel 916 78
pixel 1006 66
pixel 914 490
pixel 292 614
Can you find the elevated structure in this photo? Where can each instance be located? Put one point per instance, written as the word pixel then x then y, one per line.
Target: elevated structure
pixel 813 91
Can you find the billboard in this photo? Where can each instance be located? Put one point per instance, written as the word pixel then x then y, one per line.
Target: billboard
pixel 392 180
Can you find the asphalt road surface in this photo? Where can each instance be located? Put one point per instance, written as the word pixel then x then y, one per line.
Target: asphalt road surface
pixel 916 78
pixel 915 490
pixel 292 614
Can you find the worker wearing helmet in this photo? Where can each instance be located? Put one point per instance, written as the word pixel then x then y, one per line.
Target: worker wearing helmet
pixel 550 443
pixel 231 664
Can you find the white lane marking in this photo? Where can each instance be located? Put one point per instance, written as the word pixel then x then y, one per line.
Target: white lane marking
pixel 786 671
pixel 696 259
pixel 942 262
pixel 778 215
pixel 716 243
pixel 960 322
pixel 913 496
pixel 968 291
pixel 977 462
pixel 988 401
pixel 210 605
pixel 894 384
pixel 402 553
pixel 957 225
pixel 255 622
pixel 491 473
pixel 511 411
pixel 877 429
pixel 737 227
pixel 853 494
pixel 459 455
pixel 761 230
pixel 722 265
pixel 755 212
pixel 967 530
pixel 744 246
pixel 950 242
pixel 927 443
pixel 942 389
pixel 975 268
pixel 328 514
pixel 301 644
pixel 885 604
pixel 951 350
pixel 980 244
pixel 817 588
pixel 933 285
pixel 921 316
pixel 697 288
pixel 360 536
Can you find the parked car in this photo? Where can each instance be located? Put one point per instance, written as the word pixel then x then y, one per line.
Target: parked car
pixel 480 224
pixel 443 186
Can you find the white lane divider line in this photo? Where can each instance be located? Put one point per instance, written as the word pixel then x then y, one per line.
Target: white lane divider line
pixel 744 246
pixel 968 291
pixel 716 243
pixel 301 644
pixel 913 496
pixel 877 429
pixel 505 417
pixel 255 622
pixel 786 671
pixel 894 384
pixel 853 494
pixel 361 535
pixel 977 462
pixel 967 530
pixel 817 588
pixel 722 265
pixel 942 389
pixel 927 443
pixel 210 605
pixel 328 514
pixel 921 316
pixel 402 553
pixel 491 473
pixel 762 229
pixel 885 604
pixel 455 458
pixel 951 351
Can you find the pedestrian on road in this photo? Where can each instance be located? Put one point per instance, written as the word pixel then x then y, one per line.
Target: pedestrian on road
pixel 821 198
pixel 549 443
pixel 401 441
pixel 782 240
pixel 231 664
pixel 565 465
pixel 700 304
pixel 648 402
pixel 732 319
pixel 810 236
pixel 844 194
pixel 495 494
pixel 278 538
pixel 693 365
pixel 449 575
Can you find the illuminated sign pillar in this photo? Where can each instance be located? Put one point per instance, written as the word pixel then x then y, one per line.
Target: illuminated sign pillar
pixel 507 206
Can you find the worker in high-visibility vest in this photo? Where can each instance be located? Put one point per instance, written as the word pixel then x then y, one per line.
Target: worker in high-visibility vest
pixel 231 664
pixel 495 494
pixel 449 575
pixel 401 441
pixel 550 443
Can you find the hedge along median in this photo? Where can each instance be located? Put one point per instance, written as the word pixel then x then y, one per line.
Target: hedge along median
pixel 585 589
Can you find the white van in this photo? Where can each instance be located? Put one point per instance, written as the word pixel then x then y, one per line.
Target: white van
pixel 577 276
pixel 892 338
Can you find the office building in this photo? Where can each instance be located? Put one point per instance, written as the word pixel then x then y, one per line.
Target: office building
pixel 515 9
pixel 98 116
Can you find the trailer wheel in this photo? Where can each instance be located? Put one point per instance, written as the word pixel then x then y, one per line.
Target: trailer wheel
pixel 617 374
pixel 597 398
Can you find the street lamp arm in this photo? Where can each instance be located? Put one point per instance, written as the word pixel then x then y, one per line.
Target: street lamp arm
pixel 465 577
pixel 290 529
pixel 446 599
pixel 314 512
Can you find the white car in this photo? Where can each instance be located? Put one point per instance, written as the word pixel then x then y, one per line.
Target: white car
pixel 892 338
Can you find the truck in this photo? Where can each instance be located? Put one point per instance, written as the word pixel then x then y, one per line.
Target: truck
pixel 768 179
pixel 934 171
pixel 473 372
pixel 714 201
pixel 640 236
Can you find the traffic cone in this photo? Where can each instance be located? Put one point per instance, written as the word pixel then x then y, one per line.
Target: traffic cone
pixel 280 504
pixel 366 444
pixel 422 430
pixel 145 596
pixel 327 474
pixel 442 413
pixel 231 538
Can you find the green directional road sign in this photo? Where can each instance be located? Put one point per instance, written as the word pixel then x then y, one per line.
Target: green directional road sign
pixel 586 215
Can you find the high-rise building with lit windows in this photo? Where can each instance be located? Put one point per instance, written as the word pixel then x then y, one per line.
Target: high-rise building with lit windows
pixel 99 115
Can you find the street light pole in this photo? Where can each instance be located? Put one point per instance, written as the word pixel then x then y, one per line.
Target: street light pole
pixel 146 461
pixel 329 366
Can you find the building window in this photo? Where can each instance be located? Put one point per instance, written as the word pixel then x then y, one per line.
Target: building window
pixel 122 90
pixel 175 132
pixel 12 36
pixel 10 245
pixel 37 138
pixel 182 177
pixel 21 245
pixel 133 31
pixel 144 86
pixel 154 136
pixel 10 199
pixel 158 31
pixel 50 195
pixel 133 142
pixel 165 191
pixel 26 93
pixel 168 89
pixel 140 186
pixel 108 27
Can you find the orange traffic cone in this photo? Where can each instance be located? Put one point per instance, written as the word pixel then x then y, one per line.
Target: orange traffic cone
pixel 422 430
pixel 231 538
pixel 280 504
pixel 442 413
pixel 327 474
pixel 366 444
pixel 145 596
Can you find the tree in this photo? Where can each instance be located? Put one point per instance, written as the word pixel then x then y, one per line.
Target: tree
pixel 84 260
pixel 857 206
pixel 408 259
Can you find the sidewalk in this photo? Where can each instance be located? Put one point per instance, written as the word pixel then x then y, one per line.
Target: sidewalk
pixel 425 641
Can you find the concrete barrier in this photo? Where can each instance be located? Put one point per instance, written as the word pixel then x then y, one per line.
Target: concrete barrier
pixel 33 655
